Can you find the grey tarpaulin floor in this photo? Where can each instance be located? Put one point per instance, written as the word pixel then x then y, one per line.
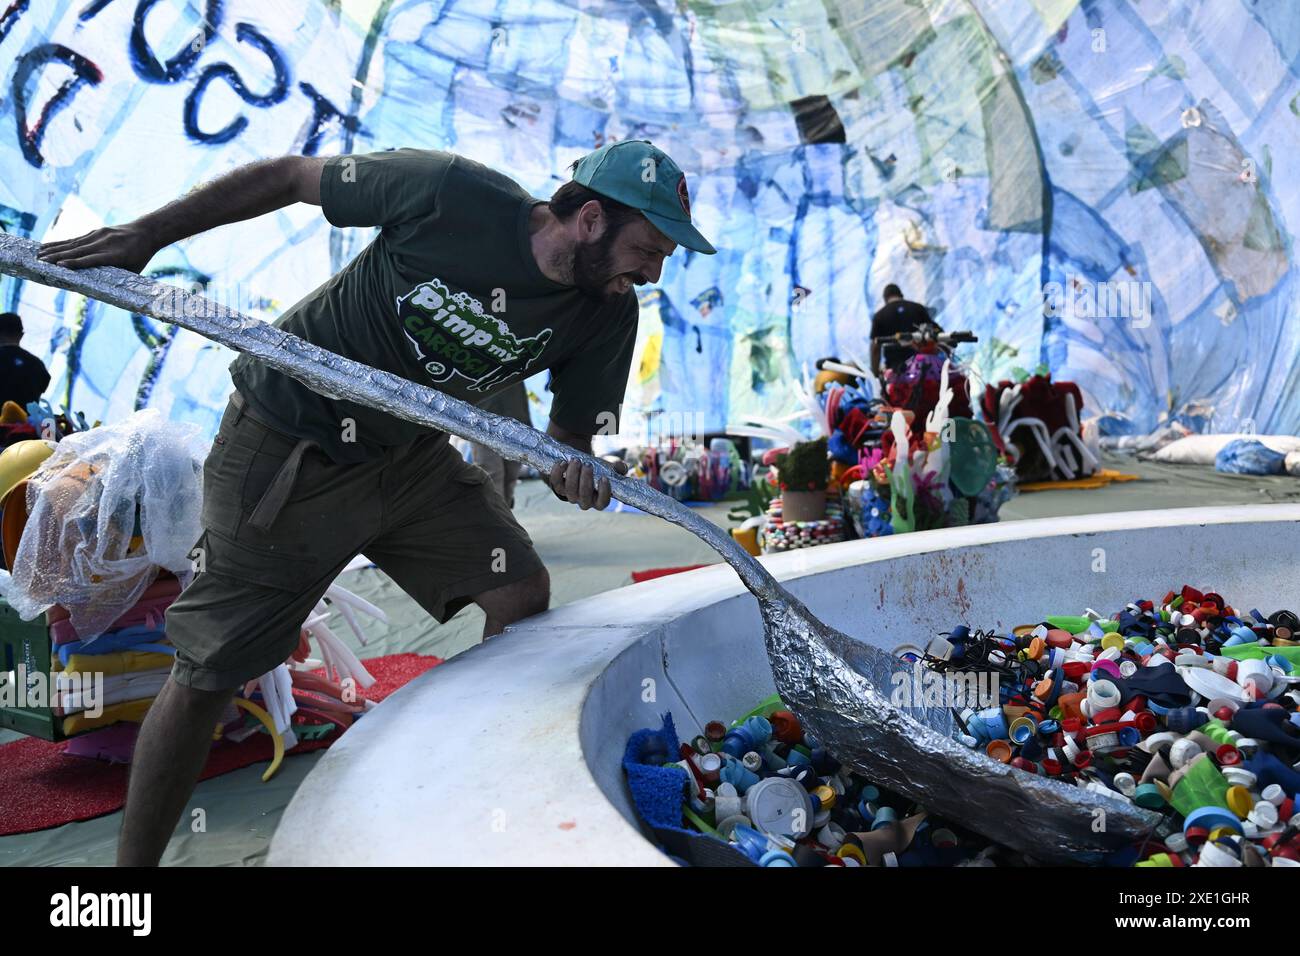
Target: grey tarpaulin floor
pixel 586 554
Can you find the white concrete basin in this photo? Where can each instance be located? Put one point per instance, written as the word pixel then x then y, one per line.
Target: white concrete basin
pixel 510 753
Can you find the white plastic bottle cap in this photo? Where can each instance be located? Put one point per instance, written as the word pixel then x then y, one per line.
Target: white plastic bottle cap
pixel 782 806
pixel 831 836
pixel 752 761
pixel 1274 794
pixel 1264 815
pixel 1125 783
pixel 1176 842
pixel 1157 740
pixel 1214 855
pixel 1103 695
pixel 889 859
pixel 1183 751
pixel 1240 777
pixel 1127 668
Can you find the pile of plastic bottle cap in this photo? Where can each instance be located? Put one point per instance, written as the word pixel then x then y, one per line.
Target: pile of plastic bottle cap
pixel 778 797
pixel 1185 706
pixel 782 536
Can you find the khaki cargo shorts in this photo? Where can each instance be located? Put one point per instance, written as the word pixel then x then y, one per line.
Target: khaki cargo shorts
pixel 281 520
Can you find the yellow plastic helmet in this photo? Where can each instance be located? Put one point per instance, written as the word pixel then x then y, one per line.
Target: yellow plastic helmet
pixel 19 461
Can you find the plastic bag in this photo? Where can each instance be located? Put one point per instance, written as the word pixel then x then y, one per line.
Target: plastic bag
pixel 1244 457
pixel 99 490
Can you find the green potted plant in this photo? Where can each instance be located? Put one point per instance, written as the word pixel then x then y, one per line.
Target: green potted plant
pixel 804 472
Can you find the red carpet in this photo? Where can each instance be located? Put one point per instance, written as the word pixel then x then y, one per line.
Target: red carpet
pixel 639 576
pixel 40 787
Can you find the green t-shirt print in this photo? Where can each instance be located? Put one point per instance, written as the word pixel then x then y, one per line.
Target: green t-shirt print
pixel 455 338
pixel 449 295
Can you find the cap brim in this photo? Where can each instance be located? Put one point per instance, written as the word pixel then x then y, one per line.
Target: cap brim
pixel 682 233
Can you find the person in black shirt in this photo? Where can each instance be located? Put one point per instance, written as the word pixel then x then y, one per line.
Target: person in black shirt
pixel 23 377
pixel 897 315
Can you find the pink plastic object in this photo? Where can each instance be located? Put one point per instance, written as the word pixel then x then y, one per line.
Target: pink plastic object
pixel 115 743
pixel 149 611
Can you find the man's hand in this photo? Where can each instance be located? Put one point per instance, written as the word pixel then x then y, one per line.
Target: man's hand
pixel 127 247
pixel 574 481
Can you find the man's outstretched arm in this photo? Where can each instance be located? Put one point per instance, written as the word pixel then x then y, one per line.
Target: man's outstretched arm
pixel 245 193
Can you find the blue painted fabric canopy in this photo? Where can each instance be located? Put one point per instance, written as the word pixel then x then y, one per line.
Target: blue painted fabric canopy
pixel 1097 186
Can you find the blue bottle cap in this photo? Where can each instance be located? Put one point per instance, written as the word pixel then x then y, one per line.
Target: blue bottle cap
pixel 883 816
pixel 1211 817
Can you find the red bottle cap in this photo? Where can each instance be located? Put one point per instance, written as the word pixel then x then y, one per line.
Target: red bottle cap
pixel 1196 835
pixel 1053 767
pixel 1059 638
pixel 1228 756
pixel 1110 715
pixel 785 727
pixel 1075 671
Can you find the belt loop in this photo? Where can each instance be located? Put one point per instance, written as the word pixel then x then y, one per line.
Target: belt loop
pixel 240 406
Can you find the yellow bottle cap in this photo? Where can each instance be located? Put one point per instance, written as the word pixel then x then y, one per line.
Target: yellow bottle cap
pixel 849 851
pixel 1240 801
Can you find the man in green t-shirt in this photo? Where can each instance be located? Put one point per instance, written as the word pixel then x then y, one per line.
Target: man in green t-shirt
pixel 470 286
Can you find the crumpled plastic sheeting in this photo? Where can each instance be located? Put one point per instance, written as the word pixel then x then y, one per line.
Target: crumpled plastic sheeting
pixel 100 488
pixel 1245 457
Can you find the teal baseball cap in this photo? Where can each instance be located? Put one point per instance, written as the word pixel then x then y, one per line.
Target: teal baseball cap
pixel 639 174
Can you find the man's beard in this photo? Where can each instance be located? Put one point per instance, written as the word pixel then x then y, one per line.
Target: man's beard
pixel 593 267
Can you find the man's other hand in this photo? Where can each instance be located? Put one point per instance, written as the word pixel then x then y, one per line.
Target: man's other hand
pixel 574 481
pixel 124 246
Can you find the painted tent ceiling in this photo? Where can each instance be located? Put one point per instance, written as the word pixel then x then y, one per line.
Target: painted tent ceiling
pixel 1090 185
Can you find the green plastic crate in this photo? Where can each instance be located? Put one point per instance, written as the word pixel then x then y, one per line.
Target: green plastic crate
pixel 26 643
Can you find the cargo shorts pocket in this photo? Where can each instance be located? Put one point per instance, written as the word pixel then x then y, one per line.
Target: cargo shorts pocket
pixel 224 472
pixel 260 566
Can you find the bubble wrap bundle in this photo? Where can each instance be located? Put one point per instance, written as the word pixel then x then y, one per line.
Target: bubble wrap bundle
pixel 139 478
